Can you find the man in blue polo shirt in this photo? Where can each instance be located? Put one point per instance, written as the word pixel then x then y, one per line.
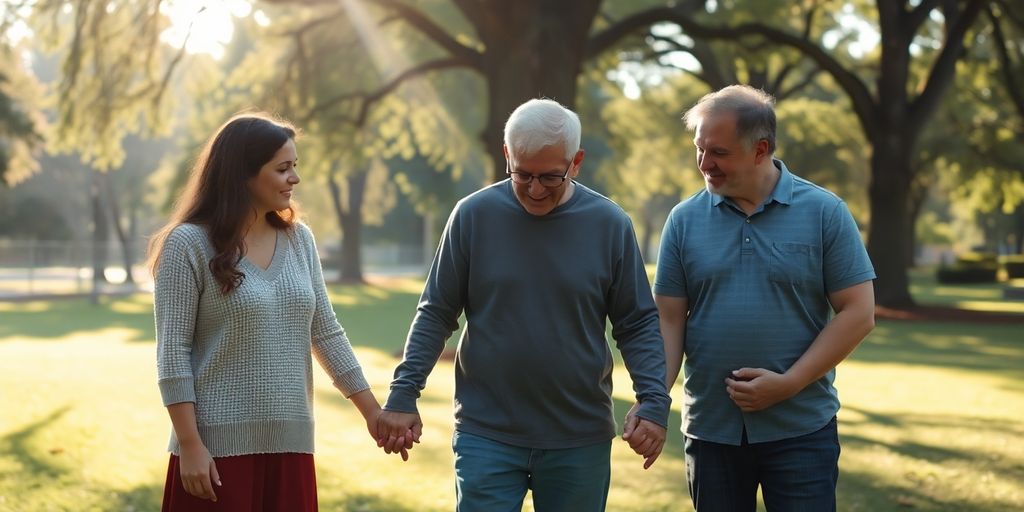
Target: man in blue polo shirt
pixel 750 270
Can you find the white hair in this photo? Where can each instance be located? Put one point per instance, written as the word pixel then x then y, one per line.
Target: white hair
pixel 540 123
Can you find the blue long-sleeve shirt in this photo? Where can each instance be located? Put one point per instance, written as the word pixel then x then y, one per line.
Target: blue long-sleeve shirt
pixel 533 367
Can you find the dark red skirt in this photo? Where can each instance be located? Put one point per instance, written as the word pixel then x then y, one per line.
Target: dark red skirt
pixel 259 482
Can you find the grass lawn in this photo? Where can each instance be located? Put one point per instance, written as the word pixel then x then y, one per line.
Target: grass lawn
pixel 933 415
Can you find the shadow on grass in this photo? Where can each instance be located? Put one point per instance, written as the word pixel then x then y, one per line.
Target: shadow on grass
pixel 27 460
pixel 991 349
pixel 864 491
pixel 373 317
pixel 143 497
pixel 55 319
pixel 364 503
pixel 149 497
pixel 939 454
pixel 922 490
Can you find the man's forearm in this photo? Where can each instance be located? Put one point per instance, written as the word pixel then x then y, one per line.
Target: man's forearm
pixel 674 340
pixel 835 342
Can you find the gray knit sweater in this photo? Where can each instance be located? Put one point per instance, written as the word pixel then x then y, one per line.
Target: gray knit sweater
pixel 244 358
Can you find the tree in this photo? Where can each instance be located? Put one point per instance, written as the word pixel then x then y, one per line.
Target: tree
pixel 677 70
pixel 911 70
pixel 979 142
pixel 529 48
pixel 21 123
pixel 646 170
pixel 328 60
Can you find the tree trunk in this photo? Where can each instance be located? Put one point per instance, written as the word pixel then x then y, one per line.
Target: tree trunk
pixel 534 49
pixel 916 197
pixel 646 233
pixel 350 219
pixel 890 229
pixel 115 219
pixel 99 238
pixel 429 239
pixel 352 228
pixel 1018 230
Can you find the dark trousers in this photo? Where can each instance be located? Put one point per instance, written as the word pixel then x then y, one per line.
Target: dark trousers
pixel 795 475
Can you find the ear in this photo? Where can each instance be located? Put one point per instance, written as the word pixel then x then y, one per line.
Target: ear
pixel 504 150
pixel 761 151
pixel 577 161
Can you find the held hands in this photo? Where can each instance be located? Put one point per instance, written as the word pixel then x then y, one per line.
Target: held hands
pixel 754 389
pixel 386 431
pixel 646 438
pixel 198 471
pixel 397 431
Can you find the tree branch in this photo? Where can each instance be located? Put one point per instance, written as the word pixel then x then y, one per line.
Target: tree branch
pixel 808 79
pixel 1012 15
pixel 920 13
pixel 367 99
pixel 474 11
pixel 314 23
pixel 944 66
pixel 860 96
pixel 1006 64
pixel 418 20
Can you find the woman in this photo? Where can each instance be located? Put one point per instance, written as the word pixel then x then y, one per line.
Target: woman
pixel 240 306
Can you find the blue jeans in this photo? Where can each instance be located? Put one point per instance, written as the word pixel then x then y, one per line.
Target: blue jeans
pixel 795 475
pixel 494 477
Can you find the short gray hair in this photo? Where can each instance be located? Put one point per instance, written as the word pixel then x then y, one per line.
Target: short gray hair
pixel 754 109
pixel 540 123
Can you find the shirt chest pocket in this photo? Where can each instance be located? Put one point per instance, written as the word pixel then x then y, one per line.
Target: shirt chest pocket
pixel 795 264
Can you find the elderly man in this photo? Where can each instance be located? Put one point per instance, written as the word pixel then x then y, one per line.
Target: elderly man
pixel 749 271
pixel 538 263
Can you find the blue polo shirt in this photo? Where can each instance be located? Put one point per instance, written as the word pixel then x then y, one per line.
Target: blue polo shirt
pixel 757 290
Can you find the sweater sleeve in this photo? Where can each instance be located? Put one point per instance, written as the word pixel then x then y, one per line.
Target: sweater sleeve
pixel 637 334
pixel 441 304
pixel 330 344
pixel 177 289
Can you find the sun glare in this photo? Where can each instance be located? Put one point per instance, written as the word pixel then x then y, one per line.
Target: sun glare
pixel 207 25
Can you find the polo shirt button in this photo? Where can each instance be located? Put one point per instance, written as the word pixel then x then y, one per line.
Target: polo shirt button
pixel 748 221
pixel 747 240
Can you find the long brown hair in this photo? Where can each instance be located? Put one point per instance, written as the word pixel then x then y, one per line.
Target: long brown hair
pixel 217 198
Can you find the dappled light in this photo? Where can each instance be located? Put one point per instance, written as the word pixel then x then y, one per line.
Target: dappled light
pixel 400 109
pixel 929 413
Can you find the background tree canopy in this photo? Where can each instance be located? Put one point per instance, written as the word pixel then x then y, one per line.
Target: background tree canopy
pixel 909 110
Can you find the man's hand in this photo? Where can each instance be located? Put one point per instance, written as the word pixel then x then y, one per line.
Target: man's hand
pixel 397 431
pixel 646 438
pixel 754 389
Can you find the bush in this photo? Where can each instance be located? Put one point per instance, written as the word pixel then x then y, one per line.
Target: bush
pixel 1014 265
pixel 966 274
pixel 971 267
pixel 977 258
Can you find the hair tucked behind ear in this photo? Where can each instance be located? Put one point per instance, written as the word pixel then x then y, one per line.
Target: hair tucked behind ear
pixel 217 198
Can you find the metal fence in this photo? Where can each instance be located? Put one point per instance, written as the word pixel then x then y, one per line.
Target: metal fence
pixel 41 267
pixel 30 268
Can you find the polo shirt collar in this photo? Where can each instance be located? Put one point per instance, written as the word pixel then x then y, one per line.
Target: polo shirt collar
pixel 782 193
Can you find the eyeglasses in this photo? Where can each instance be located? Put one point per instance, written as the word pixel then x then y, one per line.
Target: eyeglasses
pixel 546 180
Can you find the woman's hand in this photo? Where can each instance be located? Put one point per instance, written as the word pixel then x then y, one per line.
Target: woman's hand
pixel 198 471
